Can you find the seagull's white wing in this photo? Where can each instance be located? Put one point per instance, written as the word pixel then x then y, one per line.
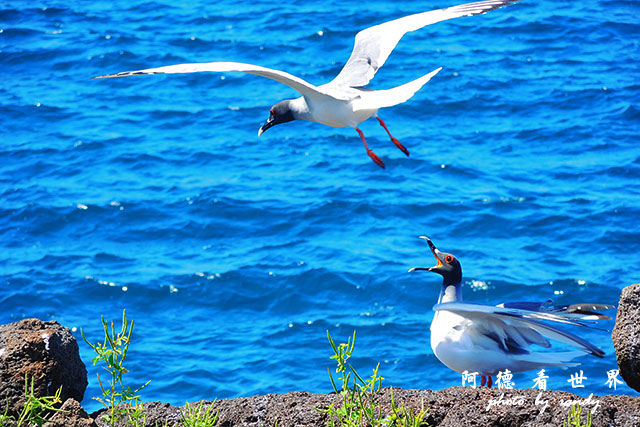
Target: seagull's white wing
pixel 373 45
pixel 515 329
pixel 305 88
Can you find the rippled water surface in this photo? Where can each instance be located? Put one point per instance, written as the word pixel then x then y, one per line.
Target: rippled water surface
pixel 234 255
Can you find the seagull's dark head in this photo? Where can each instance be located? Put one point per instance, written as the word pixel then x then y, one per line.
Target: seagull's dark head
pixel 447 265
pixel 280 113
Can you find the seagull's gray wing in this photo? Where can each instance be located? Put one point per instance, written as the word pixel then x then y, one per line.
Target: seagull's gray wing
pixel 535 311
pixel 511 325
pixel 305 88
pixel 373 45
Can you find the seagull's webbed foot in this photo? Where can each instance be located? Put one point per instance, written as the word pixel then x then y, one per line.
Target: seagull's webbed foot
pixel 400 146
pixel 394 140
pixel 371 154
pixel 375 158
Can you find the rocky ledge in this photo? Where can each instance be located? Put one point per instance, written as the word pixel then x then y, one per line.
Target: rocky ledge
pixel 455 406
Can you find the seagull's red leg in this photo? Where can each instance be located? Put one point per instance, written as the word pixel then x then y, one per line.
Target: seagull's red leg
pixel 484 381
pixel 490 383
pixel 371 154
pixel 395 141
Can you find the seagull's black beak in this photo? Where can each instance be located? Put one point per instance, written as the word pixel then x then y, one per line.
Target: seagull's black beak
pixel 435 252
pixel 266 126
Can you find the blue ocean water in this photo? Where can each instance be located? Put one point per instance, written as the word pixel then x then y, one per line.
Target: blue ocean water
pixel 234 255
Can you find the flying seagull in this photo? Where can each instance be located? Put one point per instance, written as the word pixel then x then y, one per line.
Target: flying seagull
pixel 485 339
pixel 344 101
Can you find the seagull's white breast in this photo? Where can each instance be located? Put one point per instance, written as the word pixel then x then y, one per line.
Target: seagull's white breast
pixel 455 345
pixel 336 108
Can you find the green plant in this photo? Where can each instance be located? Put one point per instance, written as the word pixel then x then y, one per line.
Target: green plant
pixel 403 417
pixel 360 401
pixel 136 416
pixel 574 417
pixel 341 354
pixel 113 351
pixel 35 408
pixel 5 418
pixel 197 417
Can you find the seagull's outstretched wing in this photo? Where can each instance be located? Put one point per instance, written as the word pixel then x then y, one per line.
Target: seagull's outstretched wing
pixel 373 45
pixel 305 88
pixel 515 329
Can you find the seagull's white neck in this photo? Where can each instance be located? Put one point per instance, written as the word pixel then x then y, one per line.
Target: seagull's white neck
pixel 300 109
pixel 450 292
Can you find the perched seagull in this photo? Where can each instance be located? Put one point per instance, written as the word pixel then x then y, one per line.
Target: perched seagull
pixel 485 339
pixel 344 101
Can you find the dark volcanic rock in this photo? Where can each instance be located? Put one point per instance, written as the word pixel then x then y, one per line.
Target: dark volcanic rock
pixel 458 406
pixel 44 351
pixel 455 406
pixel 289 409
pixel 156 414
pixel 626 335
pixel 71 415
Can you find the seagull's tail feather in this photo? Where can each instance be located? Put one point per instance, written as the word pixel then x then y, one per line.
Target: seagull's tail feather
pixel 583 311
pixel 394 96
pixel 561 359
pixel 574 312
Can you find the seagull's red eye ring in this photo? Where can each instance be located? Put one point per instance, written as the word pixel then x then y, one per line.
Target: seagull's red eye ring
pixel 272 113
pixel 449 259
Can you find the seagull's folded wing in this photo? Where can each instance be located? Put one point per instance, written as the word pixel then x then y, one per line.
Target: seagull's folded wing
pixel 303 87
pixel 373 45
pixel 513 322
